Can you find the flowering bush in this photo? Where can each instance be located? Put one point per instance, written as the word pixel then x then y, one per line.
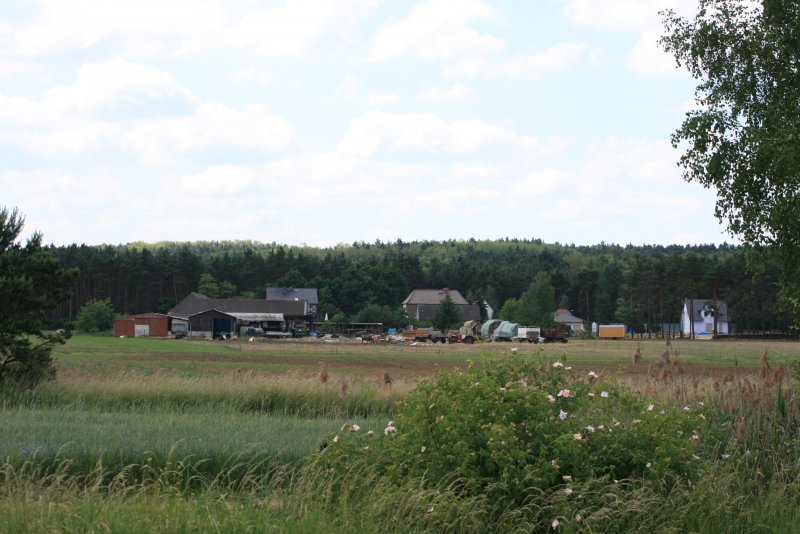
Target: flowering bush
pixel 517 429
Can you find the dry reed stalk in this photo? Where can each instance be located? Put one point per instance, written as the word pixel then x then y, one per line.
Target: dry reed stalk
pixel 343 386
pixel 676 364
pixel 637 356
pixel 740 429
pixel 323 373
pixel 386 380
pixel 764 371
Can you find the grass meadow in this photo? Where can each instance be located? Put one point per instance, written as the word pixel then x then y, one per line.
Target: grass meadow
pixel 141 435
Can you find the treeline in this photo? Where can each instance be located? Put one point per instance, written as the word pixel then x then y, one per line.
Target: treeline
pixel 643 286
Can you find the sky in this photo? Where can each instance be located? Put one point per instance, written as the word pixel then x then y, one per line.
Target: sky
pixel 322 122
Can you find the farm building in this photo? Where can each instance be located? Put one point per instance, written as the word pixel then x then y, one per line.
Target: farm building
pixel 143 325
pixel 207 317
pixel 704 317
pixel 308 295
pixel 422 304
pixel 564 316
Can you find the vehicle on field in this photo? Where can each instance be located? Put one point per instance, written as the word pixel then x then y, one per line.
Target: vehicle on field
pixel 467 333
pixel 505 331
pixel 528 334
pixel 559 332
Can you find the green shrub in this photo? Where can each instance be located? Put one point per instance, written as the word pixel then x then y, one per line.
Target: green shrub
pixel 96 316
pixel 516 432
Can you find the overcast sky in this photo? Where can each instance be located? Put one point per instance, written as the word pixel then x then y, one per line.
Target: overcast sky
pixel 333 121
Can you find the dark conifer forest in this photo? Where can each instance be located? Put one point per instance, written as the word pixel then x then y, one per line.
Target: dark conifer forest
pixel 642 286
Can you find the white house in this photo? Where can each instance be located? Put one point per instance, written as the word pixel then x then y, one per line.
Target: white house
pixel 700 316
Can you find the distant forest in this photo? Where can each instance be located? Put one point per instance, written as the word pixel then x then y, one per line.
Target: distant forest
pixel 642 286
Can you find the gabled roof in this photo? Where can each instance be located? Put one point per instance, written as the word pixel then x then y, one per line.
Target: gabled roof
pixel 197 303
pixel 698 313
pixel 563 315
pixel 434 296
pixel 425 312
pixel 309 294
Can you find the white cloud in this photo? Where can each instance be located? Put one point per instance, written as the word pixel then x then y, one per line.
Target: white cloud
pixel 426 132
pixel 350 89
pixel 10 67
pixel 252 74
pixel 637 15
pixel 455 93
pixel 642 16
pixel 297 27
pixel 437 29
pixel 111 84
pixel 118 104
pixel 557 57
pixel 62 27
pixel 647 57
pixel 212 125
pixel 147 28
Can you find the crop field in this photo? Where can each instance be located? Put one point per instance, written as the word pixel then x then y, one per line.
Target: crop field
pixel 181 435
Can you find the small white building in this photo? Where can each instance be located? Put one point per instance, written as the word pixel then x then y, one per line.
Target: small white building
pixel 704 317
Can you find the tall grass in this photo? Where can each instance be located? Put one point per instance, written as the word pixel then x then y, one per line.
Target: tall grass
pixel 229 393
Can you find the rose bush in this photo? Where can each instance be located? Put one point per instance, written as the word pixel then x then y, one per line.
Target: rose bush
pixel 518 429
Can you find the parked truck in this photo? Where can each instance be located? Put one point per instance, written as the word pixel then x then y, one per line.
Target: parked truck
pixel 467 333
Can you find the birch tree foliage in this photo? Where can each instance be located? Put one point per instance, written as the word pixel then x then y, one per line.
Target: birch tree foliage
pixel 743 138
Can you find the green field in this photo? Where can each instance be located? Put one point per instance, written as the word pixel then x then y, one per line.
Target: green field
pixel 179 435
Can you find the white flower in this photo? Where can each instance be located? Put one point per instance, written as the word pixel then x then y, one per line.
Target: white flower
pixel 577 436
pixel 590 428
pixel 565 393
pixel 726 456
pixel 650 407
pixel 423 448
pixel 695 457
pixel 701 403
pixel 649 465
pixel 370 432
pixel 636 421
pixel 568 368
pixel 695 436
pixel 567 478
pixel 502 390
pixel 687 409
pixel 336 439
pixel 390 429
pixel 602 427
pixel 703 417
pixel 578 518
pixel 562 415
pixel 592 374
pixel 590 394
pixel 558 364
pixel 551 398
pixel 568 491
pixel 555 523
pixel 604 394
pixel 355 428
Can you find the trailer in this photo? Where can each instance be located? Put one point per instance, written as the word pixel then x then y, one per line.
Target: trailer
pixel 416 334
pixel 611 331
pixel 558 332
pixel 528 334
